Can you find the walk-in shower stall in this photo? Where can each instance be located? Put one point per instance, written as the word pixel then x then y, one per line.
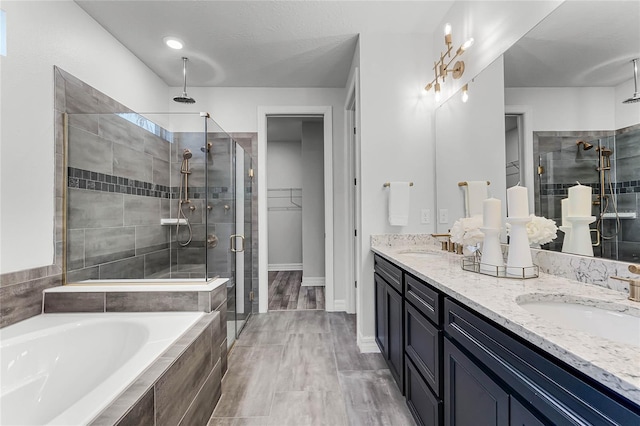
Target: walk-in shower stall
pixel 162 198
pixel 607 161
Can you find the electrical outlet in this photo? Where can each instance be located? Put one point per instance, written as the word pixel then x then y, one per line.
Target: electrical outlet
pixel 426 216
pixel 444 216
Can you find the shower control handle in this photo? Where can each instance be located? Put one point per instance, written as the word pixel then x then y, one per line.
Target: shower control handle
pixel 232 243
pixel 212 241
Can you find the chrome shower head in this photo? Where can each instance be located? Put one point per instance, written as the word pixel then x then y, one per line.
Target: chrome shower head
pixel 636 95
pixel 184 98
pixel 585 145
pixel 186 154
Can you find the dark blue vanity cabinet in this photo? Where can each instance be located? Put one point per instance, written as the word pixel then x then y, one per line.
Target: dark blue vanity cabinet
pixel 389 311
pixel 423 351
pixel 460 368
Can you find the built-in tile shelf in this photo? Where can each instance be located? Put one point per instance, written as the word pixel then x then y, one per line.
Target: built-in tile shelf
pixel 173 221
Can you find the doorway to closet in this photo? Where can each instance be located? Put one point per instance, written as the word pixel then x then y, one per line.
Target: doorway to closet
pixel 295 212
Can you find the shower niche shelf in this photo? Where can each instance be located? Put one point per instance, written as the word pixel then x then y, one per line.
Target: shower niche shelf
pixel 621 215
pixel 173 221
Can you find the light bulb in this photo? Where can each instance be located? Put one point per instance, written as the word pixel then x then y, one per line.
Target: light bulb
pixel 465 93
pixel 437 92
pixel 447 29
pixel 467 44
pixel 173 42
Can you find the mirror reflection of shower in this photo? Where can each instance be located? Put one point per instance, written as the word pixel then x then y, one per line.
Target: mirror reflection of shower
pixel 184 198
pixel 607 201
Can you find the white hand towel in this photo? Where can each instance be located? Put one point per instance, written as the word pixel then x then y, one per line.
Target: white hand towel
pixel 476 193
pixel 399 203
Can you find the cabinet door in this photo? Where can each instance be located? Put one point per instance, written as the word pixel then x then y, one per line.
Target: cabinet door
pixel 381 314
pixel 424 406
pixel 395 346
pixel 520 416
pixel 470 396
pixel 423 345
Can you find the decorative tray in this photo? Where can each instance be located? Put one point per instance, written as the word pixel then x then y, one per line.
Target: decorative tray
pixel 473 264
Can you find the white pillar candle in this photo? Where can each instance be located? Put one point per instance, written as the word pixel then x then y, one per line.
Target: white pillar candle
pixel 492 213
pixel 579 201
pixel 564 204
pixel 518 201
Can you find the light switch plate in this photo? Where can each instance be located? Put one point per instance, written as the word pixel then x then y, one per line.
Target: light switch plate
pixel 443 216
pixel 425 216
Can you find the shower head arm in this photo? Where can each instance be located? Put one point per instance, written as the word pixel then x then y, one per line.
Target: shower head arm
pixel 184 73
pixel 635 76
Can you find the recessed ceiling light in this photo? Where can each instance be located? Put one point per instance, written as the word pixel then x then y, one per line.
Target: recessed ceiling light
pixel 174 43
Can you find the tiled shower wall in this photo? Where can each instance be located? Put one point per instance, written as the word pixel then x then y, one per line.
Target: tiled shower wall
pixel 565 164
pixel 119 188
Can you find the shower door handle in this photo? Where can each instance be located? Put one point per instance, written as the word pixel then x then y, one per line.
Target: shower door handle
pixel 232 243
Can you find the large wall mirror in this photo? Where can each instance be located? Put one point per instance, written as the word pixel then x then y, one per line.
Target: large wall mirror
pixel 564 82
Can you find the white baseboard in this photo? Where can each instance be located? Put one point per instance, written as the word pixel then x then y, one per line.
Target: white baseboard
pixel 339 305
pixel 367 344
pixel 312 281
pixel 284 267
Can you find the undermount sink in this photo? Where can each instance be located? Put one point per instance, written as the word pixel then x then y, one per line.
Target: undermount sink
pixel 419 252
pixel 608 320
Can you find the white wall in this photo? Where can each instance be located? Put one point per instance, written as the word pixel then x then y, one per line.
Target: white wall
pixel 471 143
pixel 284 170
pixel 626 114
pixel 312 203
pixel 42 34
pixel 396 145
pixel 567 108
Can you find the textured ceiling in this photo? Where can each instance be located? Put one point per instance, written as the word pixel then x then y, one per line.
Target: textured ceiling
pixel 581 44
pixel 257 43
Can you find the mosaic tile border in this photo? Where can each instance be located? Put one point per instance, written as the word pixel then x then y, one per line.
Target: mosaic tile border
pixel 86 179
pixel 625 187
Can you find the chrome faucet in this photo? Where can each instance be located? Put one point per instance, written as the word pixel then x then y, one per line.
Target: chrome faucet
pixel 634 283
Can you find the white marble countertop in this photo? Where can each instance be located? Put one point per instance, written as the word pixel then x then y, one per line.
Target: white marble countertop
pixel 615 365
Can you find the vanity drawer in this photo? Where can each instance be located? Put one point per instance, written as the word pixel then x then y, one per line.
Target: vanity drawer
pixel 391 273
pixel 425 299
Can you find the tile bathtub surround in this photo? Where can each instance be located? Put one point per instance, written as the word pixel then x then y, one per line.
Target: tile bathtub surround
pixel 21 293
pixel 612 364
pixel 114 298
pixel 180 388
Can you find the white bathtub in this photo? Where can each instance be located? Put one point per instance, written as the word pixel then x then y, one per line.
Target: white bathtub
pixel 63 369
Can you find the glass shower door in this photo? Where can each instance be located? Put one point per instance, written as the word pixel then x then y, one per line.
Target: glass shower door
pixel 242 241
pixel 220 215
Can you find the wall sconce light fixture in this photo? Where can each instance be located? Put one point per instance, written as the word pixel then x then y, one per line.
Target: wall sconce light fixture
pixel 465 93
pixel 443 66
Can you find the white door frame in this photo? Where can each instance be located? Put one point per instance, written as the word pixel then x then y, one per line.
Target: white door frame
pixel 263 248
pixel 526 146
pixel 353 194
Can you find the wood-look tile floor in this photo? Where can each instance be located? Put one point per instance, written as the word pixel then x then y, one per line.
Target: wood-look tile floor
pixel 304 368
pixel 287 293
